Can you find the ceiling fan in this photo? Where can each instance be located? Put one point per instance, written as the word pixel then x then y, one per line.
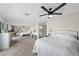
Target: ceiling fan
pixel 51 12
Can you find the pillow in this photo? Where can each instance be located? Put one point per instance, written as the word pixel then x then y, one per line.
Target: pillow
pixel 64 36
pixel 74 33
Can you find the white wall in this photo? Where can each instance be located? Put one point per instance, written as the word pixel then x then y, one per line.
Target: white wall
pixel 64 23
pixel 2 20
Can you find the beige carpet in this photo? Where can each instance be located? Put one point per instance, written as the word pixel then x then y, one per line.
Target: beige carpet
pixel 21 46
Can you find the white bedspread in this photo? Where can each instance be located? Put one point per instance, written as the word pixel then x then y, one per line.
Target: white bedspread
pixel 51 46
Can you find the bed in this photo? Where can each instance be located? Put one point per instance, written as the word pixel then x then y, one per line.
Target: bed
pixel 61 43
pixel 22 33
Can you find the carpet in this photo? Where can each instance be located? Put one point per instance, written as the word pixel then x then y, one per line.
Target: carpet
pixel 21 46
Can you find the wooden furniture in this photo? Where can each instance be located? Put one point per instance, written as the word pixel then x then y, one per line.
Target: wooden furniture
pixel 5 40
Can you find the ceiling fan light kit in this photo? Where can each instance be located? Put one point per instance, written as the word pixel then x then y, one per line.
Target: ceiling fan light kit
pixel 49 16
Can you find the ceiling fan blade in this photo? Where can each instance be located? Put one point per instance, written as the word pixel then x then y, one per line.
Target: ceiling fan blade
pixel 43 15
pixel 57 13
pixel 44 8
pixel 59 7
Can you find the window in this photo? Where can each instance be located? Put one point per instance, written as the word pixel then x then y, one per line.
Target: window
pixel 0 27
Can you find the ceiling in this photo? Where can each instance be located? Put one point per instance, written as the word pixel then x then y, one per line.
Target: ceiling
pixel 14 13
